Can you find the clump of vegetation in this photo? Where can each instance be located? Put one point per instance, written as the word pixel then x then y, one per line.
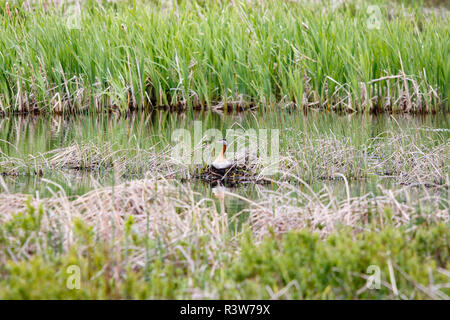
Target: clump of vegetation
pixel 289 208
pixel 81 157
pixel 225 54
pixel 406 157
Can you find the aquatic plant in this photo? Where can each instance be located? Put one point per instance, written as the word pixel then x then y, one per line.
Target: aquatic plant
pixel 223 55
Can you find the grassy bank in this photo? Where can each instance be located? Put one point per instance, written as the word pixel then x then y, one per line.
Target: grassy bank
pixel 224 55
pixel 336 269
pixel 146 239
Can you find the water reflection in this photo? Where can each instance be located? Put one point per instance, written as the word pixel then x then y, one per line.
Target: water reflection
pixel 21 136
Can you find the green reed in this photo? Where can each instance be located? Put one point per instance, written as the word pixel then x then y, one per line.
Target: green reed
pixel 197 55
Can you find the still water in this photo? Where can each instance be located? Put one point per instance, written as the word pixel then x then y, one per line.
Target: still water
pixel 34 135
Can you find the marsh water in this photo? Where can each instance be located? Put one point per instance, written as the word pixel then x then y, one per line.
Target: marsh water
pixel 32 135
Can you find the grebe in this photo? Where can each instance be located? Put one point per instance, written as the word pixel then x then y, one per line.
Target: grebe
pixel 221 163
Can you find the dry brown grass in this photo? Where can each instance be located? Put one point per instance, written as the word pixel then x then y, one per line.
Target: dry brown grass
pixel 413 160
pixel 406 158
pixel 173 213
pixel 88 156
pixel 324 157
pixel 161 210
pixel 289 208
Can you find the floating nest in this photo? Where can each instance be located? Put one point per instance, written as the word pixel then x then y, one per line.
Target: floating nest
pixel 235 175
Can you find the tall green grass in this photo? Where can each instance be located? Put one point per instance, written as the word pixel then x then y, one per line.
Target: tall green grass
pixel 197 54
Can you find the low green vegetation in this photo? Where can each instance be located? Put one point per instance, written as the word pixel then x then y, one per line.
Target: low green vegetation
pixel 221 54
pixel 150 239
pixel 413 264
